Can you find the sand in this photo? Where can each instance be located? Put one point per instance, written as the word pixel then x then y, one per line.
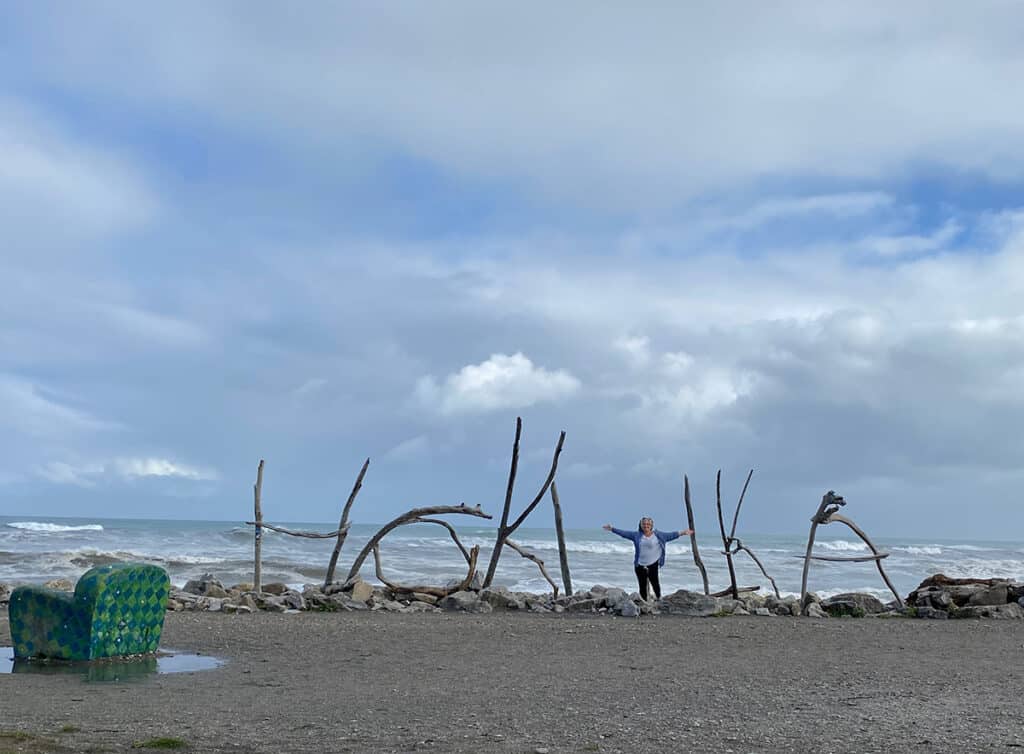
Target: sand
pixel 505 682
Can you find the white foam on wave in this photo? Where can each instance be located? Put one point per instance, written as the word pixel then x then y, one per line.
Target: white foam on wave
pixel 841 545
pixel 920 550
pixel 43 527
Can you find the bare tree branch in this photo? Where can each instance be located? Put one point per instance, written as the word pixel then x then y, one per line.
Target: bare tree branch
pixel 343 524
pixel 535 559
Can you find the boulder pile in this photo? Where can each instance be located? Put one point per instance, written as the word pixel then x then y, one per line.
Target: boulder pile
pixel 938 597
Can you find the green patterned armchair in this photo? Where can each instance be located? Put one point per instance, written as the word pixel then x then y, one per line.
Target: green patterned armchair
pixel 115 610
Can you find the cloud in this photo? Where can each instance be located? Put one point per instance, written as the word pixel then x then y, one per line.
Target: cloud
pixel 413 447
pixel 90 474
pixel 500 382
pixel 30 408
pixel 136 468
pixel 794 90
pixel 585 470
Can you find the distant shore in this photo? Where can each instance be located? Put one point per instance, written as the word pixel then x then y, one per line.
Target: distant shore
pixel 520 682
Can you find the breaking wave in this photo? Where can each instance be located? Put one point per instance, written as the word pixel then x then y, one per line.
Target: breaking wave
pixel 40 526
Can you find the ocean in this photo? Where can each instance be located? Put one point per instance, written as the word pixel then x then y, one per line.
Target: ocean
pixel 35 549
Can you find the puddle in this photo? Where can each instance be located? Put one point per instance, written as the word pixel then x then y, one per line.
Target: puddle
pixel 113 669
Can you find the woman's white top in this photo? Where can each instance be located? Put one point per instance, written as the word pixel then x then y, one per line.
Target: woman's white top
pixel 650 550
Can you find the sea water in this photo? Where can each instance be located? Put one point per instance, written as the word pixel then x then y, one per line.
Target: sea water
pixel 35 549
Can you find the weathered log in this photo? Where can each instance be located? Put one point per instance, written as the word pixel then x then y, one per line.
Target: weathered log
pixel 563 555
pixel 257 570
pixel 451 532
pixel 874 550
pixel 293 533
pixel 535 559
pixel 435 591
pixel 693 535
pixel 725 539
pixel 846 559
pixel 343 524
pixel 830 503
pixel 736 515
pixel 739 590
pixel 754 557
pixel 415 513
pixel 505 529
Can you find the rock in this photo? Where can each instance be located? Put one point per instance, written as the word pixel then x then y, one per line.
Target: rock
pixel 214 605
pixel 854 604
pixel 241 588
pixel 61 585
pixel 174 605
pixel 275 587
pixel 1010 610
pixel 628 609
pixel 740 610
pixel 428 598
pixel 614 598
pixel 930 613
pixel 465 602
pixel 294 600
pixel 583 606
pixel 361 591
pixel 597 589
pixel 501 598
pixel 684 602
pixel 993 595
pixel 763 611
pixel 813 610
pixel 206 586
pixel 475 585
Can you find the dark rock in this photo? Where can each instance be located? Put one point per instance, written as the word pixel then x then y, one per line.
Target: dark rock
pixel 922 611
pixel 628 609
pixel 993 595
pixel 583 606
pixel 275 587
pixel 684 602
pixel 853 604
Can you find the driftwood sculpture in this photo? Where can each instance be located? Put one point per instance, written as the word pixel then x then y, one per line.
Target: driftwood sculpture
pixel 470 557
pixel 827 513
pixel 343 524
pixel 505 529
pixel 416 516
pixel 563 556
pixel 257 576
pixel 693 534
pixel 734 544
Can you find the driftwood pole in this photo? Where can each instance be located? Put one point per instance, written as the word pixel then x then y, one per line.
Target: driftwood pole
pixel 257 576
pixel 725 538
pixel 343 524
pixel 820 517
pixel 505 529
pixel 693 535
pixel 563 556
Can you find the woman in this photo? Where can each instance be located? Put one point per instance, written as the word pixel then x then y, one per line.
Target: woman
pixel 648 551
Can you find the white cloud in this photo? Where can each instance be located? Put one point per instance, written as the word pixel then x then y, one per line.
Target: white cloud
pixel 134 468
pixel 500 382
pixel 636 349
pixel 585 469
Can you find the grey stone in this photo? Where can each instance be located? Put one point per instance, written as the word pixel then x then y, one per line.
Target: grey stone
pixel 275 587
pixel 1010 610
pixel 931 613
pixel 628 609
pixel 294 600
pixel 993 595
pixel 855 604
pixel 684 602
pixel 763 611
pixel 361 591
pixel 465 602
pixel 813 610
pixel 583 606
pixel 614 598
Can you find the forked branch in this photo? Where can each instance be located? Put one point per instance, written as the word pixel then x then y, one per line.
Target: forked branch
pixel 535 559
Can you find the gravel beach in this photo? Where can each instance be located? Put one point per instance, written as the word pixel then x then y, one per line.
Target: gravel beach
pixel 505 682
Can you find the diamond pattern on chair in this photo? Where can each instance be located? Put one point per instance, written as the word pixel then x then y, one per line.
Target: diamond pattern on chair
pixel 115 610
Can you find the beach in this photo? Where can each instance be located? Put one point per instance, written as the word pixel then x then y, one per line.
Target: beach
pixel 508 682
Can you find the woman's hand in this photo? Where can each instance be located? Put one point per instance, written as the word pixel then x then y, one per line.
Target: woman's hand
pixel 686 532
pixel 607 527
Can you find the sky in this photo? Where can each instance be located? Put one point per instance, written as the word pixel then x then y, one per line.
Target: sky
pixel 698 237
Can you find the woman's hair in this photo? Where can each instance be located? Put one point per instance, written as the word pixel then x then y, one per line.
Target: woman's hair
pixel 640 524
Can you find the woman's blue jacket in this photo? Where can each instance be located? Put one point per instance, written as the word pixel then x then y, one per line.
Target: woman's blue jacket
pixel 663 537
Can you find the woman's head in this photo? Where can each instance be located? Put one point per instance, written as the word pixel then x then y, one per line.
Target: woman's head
pixel 646 525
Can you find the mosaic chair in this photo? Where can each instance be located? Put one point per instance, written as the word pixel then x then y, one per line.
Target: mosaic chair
pixel 115 610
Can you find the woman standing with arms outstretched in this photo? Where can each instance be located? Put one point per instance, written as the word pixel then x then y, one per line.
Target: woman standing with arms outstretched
pixel 648 552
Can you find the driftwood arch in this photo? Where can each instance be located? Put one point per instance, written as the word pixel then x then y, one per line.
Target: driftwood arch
pixel 469 555
pixel 827 513
pixel 418 515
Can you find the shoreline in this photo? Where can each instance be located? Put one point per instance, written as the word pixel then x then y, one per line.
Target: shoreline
pixel 521 682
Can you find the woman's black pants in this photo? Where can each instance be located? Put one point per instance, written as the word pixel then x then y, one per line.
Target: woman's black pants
pixel 645 574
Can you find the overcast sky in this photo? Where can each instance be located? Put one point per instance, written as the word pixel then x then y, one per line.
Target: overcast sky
pixel 785 237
